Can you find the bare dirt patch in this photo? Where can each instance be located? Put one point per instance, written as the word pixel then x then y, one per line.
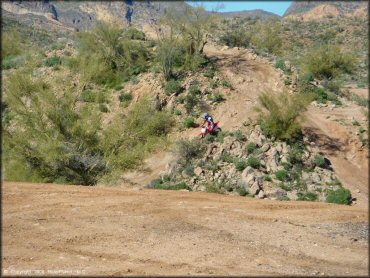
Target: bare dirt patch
pixel 111 231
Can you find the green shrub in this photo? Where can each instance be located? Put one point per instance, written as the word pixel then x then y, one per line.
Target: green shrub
pixel 213 84
pixel 88 96
pixel 11 44
pixel 102 97
pixel 221 136
pixel 236 38
pixel 239 136
pixel 281 175
pixel 12 62
pixel 307 196
pixel 253 162
pixel 334 98
pixel 241 191
pixel 225 84
pixel 280 64
pixel 327 61
pixel 134 34
pixel 189 149
pixel 319 161
pixel 172 86
pixel 267 178
pixel 267 36
pixel 215 188
pixel 125 99
pixel 217 97
pixel 361 101
pixel 57 46
pixel 225 157
pixel 250 148
pixel 191 100
pixel 118 87
pixel 189 122
pixel 177 112
pixel 166 178
pixel 169 55
pixel 339 196
pixel 320 95
pixel 178 186
pixel 283 114
pixel 181 99
pixel 212 166
pixel 103 108
pixel 194 89
pixel 240 165
pixel 53 61
pixel 210 73
pixel 209 138
pixel 107 57
pixel 295 155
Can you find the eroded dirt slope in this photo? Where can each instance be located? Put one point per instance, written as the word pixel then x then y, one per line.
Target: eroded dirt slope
pixel 110 231
pixel 251 75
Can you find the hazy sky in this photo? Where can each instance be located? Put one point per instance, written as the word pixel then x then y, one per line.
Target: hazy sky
pixel 277 7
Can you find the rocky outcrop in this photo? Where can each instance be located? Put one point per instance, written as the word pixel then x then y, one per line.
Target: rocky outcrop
pixel 263 168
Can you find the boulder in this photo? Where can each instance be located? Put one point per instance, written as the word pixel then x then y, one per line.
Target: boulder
pixel 286 148
pixel 249 179
pixel 247 171
pixel 254 189
pixel 305 176
pixel 211 149
pixel 274 193
pixel 284 159
pixel 265 147
pixel 279 147
pixel 261 194
pixel 198 171
pixel 315 177
pixel 292 195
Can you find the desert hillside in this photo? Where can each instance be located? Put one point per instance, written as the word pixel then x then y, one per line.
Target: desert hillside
pixel 106 170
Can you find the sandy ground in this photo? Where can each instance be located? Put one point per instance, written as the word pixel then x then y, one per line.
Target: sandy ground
pixel 76 230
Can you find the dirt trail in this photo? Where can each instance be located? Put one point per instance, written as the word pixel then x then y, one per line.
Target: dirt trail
pixel 349 159
pixel 80 230
pixel 250 75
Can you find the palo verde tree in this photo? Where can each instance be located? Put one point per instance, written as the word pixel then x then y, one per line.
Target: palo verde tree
pixel 281 115
pixel 183 34
pixel 49 134
pixel 106 54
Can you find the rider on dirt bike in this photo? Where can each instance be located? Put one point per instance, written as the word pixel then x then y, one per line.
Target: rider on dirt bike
pixel 208 119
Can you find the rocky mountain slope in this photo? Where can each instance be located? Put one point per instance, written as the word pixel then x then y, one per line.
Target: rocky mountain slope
pixel 82 15
pixel 314 10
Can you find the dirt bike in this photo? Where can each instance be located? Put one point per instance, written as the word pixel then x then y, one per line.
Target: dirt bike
pixel 213 131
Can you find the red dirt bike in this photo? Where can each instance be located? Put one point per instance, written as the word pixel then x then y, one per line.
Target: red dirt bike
pixel 213 131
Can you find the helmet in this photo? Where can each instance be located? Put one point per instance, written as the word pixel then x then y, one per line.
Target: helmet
pixel 205 115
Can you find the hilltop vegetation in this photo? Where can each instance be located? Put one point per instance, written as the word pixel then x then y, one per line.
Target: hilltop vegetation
pixel 57 100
